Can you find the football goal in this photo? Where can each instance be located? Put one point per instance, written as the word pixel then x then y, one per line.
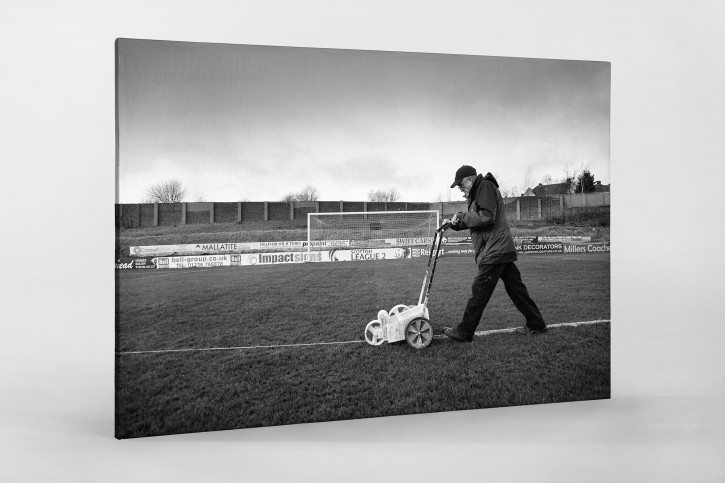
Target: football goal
pixel 370 229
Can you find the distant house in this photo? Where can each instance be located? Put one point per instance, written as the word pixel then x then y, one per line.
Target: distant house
pixel 562 189
pixel 601 188
pixel 552 189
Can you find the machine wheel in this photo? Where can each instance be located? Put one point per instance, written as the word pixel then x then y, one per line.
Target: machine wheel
pixel 398 309
pixel 374 333
pixel 419 333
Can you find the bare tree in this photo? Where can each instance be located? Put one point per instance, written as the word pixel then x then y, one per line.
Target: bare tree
pixel 309 193
pixel 547 179
pixel 509 191
pixel 169 191
pixel 569 177
pixel 528 178
pixel 390 195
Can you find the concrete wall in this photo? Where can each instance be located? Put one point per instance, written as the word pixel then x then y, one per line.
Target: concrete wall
pixel 278 211
pixel 197 213
pixel 226 212
pixel 587 200
pixel 330 206
pixel 147 214
pixel 302 208
pixel 252 211
pixel 170 214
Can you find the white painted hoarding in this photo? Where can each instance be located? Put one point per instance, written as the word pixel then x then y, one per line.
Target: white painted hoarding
pixel 219 248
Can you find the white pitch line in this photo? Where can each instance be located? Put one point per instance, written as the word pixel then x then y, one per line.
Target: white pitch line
pixel 479 333
pixel 550 326
pixel 277 346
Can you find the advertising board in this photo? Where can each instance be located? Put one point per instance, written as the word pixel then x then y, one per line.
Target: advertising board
pixel 200 261
pixel 554 247
pixel 519 240
pixel 135 263
pixel 457 240
pixel 459 251
pixel 224 248
pixel 240 259
pixel 280 258
pixel 596 247
pixel 407 241
pixel 447 251
pixel 368 254
pixel 549 239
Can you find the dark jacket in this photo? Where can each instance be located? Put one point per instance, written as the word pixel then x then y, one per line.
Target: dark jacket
pixel 486 218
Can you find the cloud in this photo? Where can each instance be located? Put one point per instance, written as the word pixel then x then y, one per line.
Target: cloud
pixel 244 122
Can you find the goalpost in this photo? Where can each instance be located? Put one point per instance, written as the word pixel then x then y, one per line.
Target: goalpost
pixel 369 229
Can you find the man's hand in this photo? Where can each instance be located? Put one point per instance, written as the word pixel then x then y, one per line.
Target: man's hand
pixel 447 223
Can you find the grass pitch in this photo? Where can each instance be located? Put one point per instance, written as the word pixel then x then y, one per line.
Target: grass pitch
pixel 267 313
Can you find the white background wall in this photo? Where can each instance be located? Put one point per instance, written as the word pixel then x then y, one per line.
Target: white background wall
pixel 665 421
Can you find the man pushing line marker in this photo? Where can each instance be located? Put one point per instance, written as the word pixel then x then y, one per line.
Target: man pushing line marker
pixel 494 253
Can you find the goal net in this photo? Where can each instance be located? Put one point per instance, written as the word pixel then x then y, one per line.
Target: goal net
pixel 376 229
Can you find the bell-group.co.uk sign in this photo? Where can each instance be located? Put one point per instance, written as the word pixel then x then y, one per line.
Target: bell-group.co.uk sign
pixel 201 261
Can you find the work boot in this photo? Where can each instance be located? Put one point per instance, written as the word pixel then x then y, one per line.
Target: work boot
pixel 456 335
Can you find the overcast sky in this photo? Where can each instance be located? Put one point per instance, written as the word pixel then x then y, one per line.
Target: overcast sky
pixel 238 122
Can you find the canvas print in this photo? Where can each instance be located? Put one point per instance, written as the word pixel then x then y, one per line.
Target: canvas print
pixel 307 235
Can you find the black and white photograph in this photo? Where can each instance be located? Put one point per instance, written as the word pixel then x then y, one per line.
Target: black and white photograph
pixel 361 241
pixel 309 235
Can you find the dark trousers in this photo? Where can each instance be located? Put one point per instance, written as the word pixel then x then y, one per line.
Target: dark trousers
pixel 482 289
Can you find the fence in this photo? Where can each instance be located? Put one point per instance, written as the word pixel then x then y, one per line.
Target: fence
pixel 587 200
pixel 525 208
